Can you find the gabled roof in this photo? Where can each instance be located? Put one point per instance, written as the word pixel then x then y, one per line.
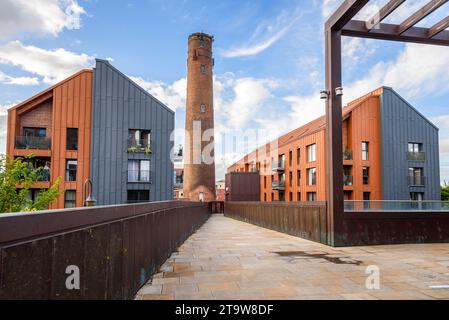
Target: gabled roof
pixel 42 93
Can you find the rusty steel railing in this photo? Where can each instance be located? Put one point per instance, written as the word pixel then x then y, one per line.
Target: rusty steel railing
pixel 115 248
pixel 307 220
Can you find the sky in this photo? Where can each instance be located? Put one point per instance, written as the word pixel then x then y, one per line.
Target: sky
pixel 269 60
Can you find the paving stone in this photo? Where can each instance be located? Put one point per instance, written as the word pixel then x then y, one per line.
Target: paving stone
pixel 229 259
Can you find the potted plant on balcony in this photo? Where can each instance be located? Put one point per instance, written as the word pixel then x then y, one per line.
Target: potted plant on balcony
pixel 133 149
pixel 148 150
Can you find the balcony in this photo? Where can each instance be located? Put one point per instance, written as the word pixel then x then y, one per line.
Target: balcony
pixel 139 176
pixel 348 180
pixel 33 143
pixel 278 185
pixel 416 181
pixel 44 176
pixel 139 146
pixel 347 155
pixel 278 165
pixel 416 156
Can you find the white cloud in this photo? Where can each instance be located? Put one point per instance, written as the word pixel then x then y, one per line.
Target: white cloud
pixel 52 65
pixel 357 49
pixel 444 146
pixel 329 6
pixel 442 122
pixel 174 95
pixel 266 34
pixel 38 17
pixel 249 95
pixel 22 81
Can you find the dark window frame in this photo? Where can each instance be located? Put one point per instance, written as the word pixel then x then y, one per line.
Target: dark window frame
pixel 72 143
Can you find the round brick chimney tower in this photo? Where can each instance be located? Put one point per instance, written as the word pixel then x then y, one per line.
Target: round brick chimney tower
pixel 199 163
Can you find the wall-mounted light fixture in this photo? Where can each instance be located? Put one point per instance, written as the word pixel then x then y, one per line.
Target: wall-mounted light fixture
pixel 324 95
pixel 339 91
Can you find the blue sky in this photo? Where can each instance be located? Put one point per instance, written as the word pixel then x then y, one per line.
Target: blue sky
pixel 268 58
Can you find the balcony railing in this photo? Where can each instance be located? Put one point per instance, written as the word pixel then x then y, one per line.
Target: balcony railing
pixel 139 176
pixel 278 165
pixel 416 156
pixel 44 176
pixel 416 181
pixel 348 180
pixel 347 155
pixel 139 146
pixel 278 185
pixel 33 143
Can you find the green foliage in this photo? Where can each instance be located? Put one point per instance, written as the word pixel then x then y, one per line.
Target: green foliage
pixel 16 178
pixel 148 151
pixel 445 193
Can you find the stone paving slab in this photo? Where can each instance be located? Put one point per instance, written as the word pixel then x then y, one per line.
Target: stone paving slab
pixel 232 260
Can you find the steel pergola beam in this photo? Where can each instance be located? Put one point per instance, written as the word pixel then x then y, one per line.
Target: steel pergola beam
pixel 439 27
pixel 383 13
pixel 345 13
pixel 385 31
pixel 341 24
pixel 420 15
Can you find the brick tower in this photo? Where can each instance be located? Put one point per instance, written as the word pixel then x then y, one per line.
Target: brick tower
pixel 199 163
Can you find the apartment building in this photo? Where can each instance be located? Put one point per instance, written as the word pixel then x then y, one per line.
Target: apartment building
pixel 98 125
pixel 390 152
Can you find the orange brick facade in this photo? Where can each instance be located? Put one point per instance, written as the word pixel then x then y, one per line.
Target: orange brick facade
pixel 361 124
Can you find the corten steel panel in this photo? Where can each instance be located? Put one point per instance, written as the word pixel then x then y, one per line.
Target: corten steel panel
pixel 401 124
pixel 242 186
pixel 116 254
pixel 71 104
pixel 378 228
pixel 305 220
pixel 119 105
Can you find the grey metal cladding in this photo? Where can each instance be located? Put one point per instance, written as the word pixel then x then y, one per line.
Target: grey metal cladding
pixel 119 104
pixel 400 124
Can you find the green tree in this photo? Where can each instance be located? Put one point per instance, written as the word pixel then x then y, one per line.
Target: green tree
pixel 16 178
pixel 445 193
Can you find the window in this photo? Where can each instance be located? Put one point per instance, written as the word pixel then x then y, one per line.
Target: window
pixel 203 108
pixel 291 196
pixel 70 170
pixel 265 197
pixel 35 132
pixel 272 196
pixel 311 196
pixel 365 150
pixel 290 179
pixel 290 158
pixel 415 147
pixel 203 69
pixel 298 156
pixel 366 196
pixel 70 199
pixel 138 140
pixel 416 176
pixel 311 177
pixel 265 181
pixel 298 178
pixel 416 196
pixel 281 196
pixel 136 196
pixel 202 43
pixel 299 196
pixel 365 171
pixel 311 153
pixel 139 171
pixel 72 139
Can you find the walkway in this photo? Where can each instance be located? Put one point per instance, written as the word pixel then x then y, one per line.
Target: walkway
pixel 228 259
